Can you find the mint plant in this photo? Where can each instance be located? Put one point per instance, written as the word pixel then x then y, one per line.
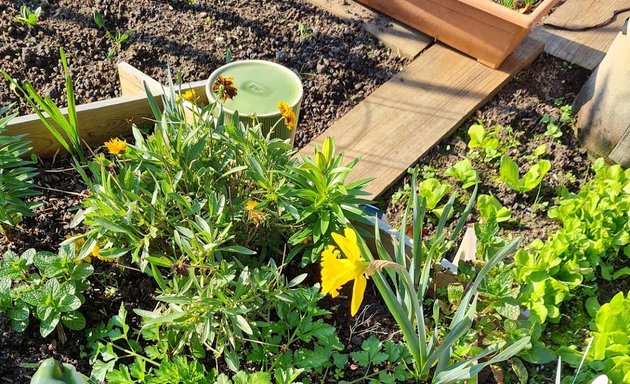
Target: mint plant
pixel 45 285
pixel 16 178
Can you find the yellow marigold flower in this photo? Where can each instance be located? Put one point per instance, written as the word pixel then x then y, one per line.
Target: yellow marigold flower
pixel 287 114
pixel 188 95
pixel 116 146
pixel 224 88
pixel 336 272
pixel 96 252
pixel 256 216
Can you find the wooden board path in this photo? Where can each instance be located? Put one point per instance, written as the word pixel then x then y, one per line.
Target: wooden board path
pixel 584 48
pixel 398 37
pixel 404 118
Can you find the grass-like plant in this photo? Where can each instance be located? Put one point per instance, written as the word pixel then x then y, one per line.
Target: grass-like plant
pixel 403 280
pixel 63 125
pixel 16 178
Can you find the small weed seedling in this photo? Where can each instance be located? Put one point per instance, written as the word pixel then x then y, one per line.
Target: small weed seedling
pixel 566 115
pixel 117 38
pixel 28 17
pixel 553 130
pixel 304 31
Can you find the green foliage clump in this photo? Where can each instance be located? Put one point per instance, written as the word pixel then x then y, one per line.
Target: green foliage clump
pixel 595 234
pixel 16 177
pixel 46 285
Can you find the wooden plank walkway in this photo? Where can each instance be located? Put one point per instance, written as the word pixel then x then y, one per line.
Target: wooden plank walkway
pixel 404 118
pixel 584 48
pixel 400 38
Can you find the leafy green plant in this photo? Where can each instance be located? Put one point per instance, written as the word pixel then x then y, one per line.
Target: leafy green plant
pixel 509 174
pixel 433 191
pixel 464 172
pixel 566 114
pixel 304 31
pixel 611 334
pixel 486 140
pixel 595 233
pixel 553 130
pixel 607 352
pixel 16 178
pixel 327 204
pixel 117 38
pixel 202 188
pixel 28 17
pixel 383 362
pixel 52 292
pixel 489 206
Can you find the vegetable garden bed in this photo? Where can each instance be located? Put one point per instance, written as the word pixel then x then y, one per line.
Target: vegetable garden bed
pixel 272 322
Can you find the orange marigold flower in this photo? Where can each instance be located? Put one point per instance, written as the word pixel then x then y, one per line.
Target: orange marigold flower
pixel 224 88
pixel 116 146
pixel 287 114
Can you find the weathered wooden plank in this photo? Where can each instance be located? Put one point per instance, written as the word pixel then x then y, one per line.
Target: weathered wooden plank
pixel 132 81
pixel 403 39
pixel 403 119
pixel 584 48
pixel 102 120
pixel 98 122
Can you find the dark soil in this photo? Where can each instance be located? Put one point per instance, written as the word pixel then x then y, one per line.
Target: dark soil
pixel 339 63
pixel 541 89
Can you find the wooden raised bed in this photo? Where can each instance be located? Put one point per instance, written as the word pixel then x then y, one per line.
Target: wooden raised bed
pixel 101 120
pixel 482 29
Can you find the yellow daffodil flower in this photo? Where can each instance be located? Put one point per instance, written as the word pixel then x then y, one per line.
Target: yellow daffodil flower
pixel 116 146
pixel 288 115
pixel 336 272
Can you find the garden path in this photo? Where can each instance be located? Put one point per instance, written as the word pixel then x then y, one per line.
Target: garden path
pixel 404 118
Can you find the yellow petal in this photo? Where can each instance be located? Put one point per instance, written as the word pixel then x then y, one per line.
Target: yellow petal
pixel 336 272
pixel 358 290
pixel 348 244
